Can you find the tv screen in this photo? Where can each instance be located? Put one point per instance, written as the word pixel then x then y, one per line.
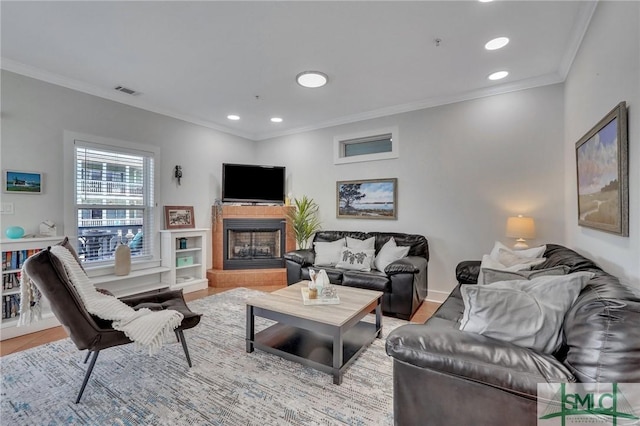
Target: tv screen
pixel 252 183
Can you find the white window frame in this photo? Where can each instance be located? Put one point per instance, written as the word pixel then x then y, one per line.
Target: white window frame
pixel 70 207
pixel 340 141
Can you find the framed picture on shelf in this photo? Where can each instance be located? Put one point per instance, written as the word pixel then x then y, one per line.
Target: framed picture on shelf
pixel 367 199
pixel 179 217
pixel 17 182
pixel 603 174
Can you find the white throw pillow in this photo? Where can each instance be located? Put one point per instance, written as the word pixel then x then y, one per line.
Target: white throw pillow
pixel 509 258
pixel 390 252
pixel 534 252
pixel 356 259
pixel 526 313
pixel 495 275
pixel 489 263
pixel 328 253
pixel 368 244
pixel 506 259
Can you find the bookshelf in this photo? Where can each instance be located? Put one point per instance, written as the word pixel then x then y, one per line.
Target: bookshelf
pixel 187 263
pixel 14 253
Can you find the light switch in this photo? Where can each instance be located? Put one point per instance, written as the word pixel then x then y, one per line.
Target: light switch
pixel 7 208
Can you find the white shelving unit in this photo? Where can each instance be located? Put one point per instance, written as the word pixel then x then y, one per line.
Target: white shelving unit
pixel 137 281
pixel 187 266
pixel 14 253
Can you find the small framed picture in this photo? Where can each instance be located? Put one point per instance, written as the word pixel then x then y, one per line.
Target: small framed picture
pixel 16 182
pixel 179 217
pixel 367 199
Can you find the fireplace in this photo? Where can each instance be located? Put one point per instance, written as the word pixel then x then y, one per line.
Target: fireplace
pixel 221 277
pixel 253 243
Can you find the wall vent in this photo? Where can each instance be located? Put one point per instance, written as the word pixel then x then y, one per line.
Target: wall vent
pixel 126 90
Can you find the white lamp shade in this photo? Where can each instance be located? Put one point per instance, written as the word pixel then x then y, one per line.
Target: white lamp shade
pixel 521 227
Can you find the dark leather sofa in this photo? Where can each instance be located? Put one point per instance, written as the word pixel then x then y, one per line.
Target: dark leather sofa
pixel 404 282
pixel 445 376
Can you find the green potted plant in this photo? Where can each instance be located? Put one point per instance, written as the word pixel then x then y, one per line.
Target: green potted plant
pixel 304 220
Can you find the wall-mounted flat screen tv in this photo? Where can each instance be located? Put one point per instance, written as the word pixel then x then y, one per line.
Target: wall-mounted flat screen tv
pixel 247 183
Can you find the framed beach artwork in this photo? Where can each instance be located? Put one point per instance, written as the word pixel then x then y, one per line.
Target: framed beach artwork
pixel 17 182
pixel 367 199
pixel 179 217
pixel 603 174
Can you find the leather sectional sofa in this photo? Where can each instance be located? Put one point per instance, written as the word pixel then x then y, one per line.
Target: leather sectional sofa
pixel 445 376
pixel 404 281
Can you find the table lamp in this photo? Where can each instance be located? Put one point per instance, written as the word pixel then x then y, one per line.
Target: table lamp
pixel 521 227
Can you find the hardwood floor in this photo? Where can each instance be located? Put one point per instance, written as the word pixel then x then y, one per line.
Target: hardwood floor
pixel 27 341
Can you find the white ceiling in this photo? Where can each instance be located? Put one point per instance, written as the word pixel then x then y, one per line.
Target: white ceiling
pixel 202 60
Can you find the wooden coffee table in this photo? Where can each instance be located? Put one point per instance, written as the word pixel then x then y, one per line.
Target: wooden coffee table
pixel 325 337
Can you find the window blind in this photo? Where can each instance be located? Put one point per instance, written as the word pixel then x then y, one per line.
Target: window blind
pixel 113 200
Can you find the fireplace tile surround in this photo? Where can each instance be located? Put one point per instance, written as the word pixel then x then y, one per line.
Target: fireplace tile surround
pixel 218 276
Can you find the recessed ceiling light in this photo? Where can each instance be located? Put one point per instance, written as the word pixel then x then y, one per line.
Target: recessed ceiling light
pixel 485 1
pixel 312 79
pixel 498 75
pixel 276 119
pixel 233 117
pixel 497 43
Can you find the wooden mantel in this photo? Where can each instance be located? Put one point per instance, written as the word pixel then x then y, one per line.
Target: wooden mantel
pixel 219 277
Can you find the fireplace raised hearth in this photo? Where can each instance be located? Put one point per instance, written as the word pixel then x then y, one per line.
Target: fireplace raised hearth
pixel 253 243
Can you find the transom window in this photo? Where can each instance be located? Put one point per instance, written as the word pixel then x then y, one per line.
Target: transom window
pixel 379 144
pixel 371 145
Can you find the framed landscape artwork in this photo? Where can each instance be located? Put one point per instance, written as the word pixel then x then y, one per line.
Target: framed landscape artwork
pixel 15 182
pixel 179 217
pixel 367 199
pixel 603 174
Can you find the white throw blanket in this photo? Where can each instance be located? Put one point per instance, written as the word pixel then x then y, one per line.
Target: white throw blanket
pixel 30 309
pixel 148 329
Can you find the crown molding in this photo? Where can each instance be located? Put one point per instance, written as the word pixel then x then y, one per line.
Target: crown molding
pixel 587 9
pixel 80 86
pixel 500 89
pixel 73 84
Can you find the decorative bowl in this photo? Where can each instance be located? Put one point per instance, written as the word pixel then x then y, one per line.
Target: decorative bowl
pixel 14 232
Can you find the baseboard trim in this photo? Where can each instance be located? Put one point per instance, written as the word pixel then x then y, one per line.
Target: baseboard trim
pixel 437 296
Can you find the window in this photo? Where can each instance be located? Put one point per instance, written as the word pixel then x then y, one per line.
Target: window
pixel 379 144
pixel 113 200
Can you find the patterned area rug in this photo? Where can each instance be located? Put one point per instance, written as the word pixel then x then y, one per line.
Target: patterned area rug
pixel 225 386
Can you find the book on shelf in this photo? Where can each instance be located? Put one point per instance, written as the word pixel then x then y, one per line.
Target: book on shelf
pixel 15 259
pixel 11 280
pixel 11 306
pixel 6 260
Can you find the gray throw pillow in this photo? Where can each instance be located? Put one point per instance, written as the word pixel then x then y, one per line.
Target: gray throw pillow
pixel 328 253
pixel 527 313
pixel 356 259
pixel 354 243
pixel 495 275
pixel 389 253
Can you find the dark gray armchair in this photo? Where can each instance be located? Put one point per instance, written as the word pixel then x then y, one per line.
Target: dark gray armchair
pixel 87 331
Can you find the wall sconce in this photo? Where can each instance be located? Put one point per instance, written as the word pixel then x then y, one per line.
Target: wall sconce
pixel 178 173
pixel 521 227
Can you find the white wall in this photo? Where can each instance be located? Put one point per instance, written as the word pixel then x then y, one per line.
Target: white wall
pixel 606 71
pixel 463 169
pixel 35 114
